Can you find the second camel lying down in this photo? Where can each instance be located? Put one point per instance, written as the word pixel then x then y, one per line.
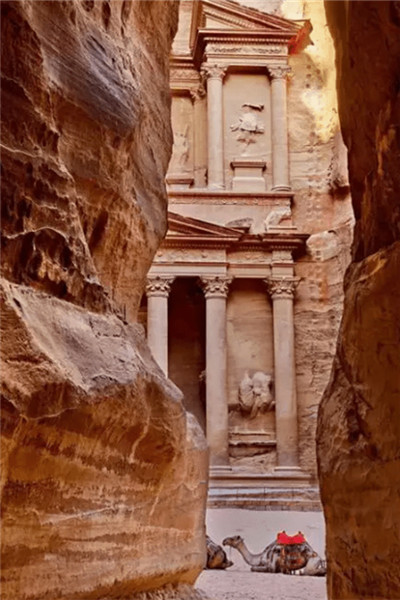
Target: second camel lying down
pixel 286 554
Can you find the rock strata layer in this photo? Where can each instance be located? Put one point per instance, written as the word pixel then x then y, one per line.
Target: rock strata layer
pixel 359 419
pixel 103 472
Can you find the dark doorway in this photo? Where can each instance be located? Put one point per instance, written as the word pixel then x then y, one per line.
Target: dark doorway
pixel 186 344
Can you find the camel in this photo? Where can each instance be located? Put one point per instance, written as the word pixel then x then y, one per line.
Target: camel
pixel 281 558
pixel 216 556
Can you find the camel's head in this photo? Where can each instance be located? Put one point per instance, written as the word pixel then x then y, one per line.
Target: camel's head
pixel 233 541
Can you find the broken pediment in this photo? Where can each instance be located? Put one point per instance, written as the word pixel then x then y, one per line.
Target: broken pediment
pixel 180 226
pixel 227 20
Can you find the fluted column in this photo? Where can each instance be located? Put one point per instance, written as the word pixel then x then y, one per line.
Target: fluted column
pixel 280 149
pixel 200 135
pixel 214 74
pixel 216 291
pixel 157 291
pixel 281 291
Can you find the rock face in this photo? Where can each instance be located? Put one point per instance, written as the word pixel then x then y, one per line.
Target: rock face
pixel 359 419
pixel 103 473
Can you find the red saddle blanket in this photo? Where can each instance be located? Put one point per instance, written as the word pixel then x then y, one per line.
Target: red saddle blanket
pixel 284 538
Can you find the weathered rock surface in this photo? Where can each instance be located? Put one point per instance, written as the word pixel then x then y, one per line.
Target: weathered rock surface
pixel 359 419
pixel 103 472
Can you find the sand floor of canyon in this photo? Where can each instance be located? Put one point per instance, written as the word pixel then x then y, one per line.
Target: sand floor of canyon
pixel 258 528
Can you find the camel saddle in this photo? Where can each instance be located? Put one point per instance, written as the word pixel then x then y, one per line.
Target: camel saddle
pixel 291 557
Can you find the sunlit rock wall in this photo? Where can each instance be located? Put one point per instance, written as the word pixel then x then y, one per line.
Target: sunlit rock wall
pixel 322 208
pixel 359 419
pixel 103 473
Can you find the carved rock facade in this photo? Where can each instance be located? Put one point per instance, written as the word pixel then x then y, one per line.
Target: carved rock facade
pixel 102 470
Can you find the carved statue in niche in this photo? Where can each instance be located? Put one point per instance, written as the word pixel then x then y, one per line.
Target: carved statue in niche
pixel 255 394
pixel 248 125
pixel 180 150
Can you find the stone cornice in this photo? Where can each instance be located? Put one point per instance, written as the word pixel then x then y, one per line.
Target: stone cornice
pixel 259 44
pixel 267 242
pixel 206 196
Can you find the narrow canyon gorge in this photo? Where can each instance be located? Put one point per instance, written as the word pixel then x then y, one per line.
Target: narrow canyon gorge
pixel 104 468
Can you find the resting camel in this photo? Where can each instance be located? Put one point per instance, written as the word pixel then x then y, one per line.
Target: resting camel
pixel 216 556
pixel 280 557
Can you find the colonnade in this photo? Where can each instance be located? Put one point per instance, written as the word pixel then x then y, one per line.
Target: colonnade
pixel 214 76
pixel 281 290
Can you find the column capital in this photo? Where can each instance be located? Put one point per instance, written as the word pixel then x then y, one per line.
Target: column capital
pixel 282 287
pixel 159 285
pixel 213 71
pixel 279 71
pixel 215 286
pixel 197 93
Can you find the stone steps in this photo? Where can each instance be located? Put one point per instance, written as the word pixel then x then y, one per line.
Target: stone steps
pixel 265 498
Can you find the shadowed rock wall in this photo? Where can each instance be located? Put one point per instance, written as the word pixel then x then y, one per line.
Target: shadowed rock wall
pixel 359 419
pixel 103 472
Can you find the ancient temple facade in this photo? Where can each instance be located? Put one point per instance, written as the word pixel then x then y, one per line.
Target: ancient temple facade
pixel 230 306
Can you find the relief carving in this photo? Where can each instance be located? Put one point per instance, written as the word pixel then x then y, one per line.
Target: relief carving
pixel 255 394
pixel 276 216
pixel 248 125
pixel 180 151
pixel 248 50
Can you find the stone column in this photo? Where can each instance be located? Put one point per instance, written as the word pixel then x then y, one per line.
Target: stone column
pixel 280 150
pixel 157 291
pixel 216 291
pixel 200 135
pixel 281 291
pixel 215 144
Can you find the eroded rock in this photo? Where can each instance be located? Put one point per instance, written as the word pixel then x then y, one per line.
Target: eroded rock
pixel 358 430
pixel 103 472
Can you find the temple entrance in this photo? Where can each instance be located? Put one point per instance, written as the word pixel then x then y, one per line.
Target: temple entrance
pixel 186 344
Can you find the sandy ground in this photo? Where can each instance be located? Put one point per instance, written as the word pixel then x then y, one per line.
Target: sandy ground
pixel 259 528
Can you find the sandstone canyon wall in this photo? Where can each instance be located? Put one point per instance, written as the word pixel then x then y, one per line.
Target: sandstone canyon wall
pixel 359 420
pixel 103 489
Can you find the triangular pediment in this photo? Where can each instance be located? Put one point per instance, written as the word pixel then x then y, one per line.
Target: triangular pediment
pixel 229 15
pixel 178 225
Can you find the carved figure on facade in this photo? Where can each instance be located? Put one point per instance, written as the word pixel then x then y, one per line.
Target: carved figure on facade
pixel 248 125
pixel 255 394
pixel 180 149
pixel 276 216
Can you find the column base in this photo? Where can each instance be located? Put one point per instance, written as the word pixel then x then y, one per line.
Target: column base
pixel 216 186
pixel 179 181
pixel 281 188
pixel 248 175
